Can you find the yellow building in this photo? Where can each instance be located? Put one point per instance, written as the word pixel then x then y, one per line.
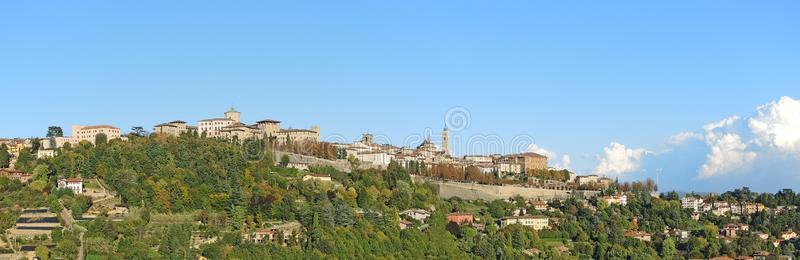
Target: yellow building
pixel 536 222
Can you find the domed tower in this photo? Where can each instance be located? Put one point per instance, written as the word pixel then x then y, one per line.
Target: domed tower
pixel 234 115
pixel 446 141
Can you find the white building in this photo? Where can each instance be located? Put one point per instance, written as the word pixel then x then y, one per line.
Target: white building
pixel 586 179
pixel 43 153
pixel 74 184
pixel 537 222
pixel 693 203
pixel 213 127
pixel 611 200
pixel 381 159
pixel 418 214
pixel 478 158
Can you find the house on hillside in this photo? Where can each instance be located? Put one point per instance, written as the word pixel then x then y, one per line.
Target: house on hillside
pixel 788 235
pixel 540 205
pixel 536 222
pixel 640 235
pixel 418 214
pixel 14 174
pixel 74 184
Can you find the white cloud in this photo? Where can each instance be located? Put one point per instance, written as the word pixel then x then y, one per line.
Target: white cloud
pixel 727 151
pixel 536 149
pixel 565 161
pixel 552 156
pixel 683 137
pixel 618 159
pixel 777 125
pixel 724 123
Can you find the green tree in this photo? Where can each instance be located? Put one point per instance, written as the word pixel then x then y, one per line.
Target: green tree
pixel 344 215
pixel 668 250
pixel 77 210
pixel 38 185
pixel 43 252
pixel 354 163
pixel 39 172
pixel 100 139
pixel 67 249
pixel 35 145
pixel 285 160
pixel 144 215
pixel 138 131
pixel 175 243
pixel 54 131
pixel 5 156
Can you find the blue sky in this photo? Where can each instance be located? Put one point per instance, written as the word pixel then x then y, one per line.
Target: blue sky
pixel 573 77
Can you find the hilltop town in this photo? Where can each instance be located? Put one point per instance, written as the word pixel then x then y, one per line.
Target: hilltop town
pixel 197 191
pixel 426 159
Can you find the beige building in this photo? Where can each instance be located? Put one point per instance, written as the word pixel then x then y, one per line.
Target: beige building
pixel 212 127
pixel 174 128
pixel 523 162
pixel 480 159
pixel 316 177
pixel 611 200
pixel 640 235
pixel 239 131
pixel 298 135
pixel 57 142
pixel 231 127
pixel 45 153
pixel 89 133
pixel 269 127
pixel 14 174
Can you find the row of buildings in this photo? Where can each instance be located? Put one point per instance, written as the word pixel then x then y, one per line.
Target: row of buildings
pixel 231 127
pixel 82 133
pixel 428 153
pixel 720 208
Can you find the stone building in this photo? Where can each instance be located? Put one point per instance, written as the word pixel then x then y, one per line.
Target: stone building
pixel 231 127
pixel 174 128
pixel 522 163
